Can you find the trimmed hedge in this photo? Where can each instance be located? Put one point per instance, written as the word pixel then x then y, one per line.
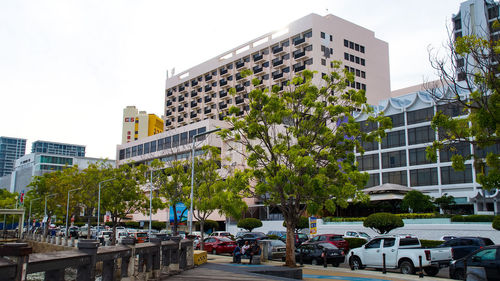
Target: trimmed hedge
pixel 383 223
pixel 431 243
pixel 473 218
pixel 273 237
pixel 355 242
pixel 496 223
pixel 402 216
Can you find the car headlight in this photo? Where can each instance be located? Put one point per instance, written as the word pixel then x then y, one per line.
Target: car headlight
pixel 453 262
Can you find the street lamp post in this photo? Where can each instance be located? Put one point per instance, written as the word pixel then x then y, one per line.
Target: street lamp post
pixel 29 217
pixel 67 210
pixel 192 176
pixel 45 211
pixel 99 206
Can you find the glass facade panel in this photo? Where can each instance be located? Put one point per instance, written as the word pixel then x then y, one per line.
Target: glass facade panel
pixel 448 151
pixel 374 180
pixel 394 159
pixel 418 157
pixel 398 120
pixel 168 143
pixel 394 139
pixel 152 146
pixel 419 116
pixel 450 176
pixel 184 138
pixel 423 177
pixel 146 148
pixel 368 162
pixel 366 126
pixel 452 109
pixel 421 135
pixel 398 177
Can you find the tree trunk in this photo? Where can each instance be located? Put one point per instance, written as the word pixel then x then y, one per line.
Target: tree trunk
pixel 89 219
pixel 113 237
pixel 202 226
pixel 290 243
pixel 174 228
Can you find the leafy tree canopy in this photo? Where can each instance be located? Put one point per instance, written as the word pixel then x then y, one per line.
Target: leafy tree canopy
pixel 417 202
pixel 249 223
pixel 383 223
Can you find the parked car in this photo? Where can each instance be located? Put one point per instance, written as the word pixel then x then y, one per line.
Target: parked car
pixel 250 237
pixel 401 252
pixel 357 234
pixel 483 263
pixel 120 235
pixel 461 247
pixel 218 245
pixel 220 234
pixel 73 231
pixel 312 252
pixel 276 248
pixel 105 236
pixel 447 237
pixel 140 237
pixel 299 238
pixel 335 239
pixel 83 232
pixel 278 233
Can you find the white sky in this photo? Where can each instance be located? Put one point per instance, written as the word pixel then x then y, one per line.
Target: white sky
pixel 68 68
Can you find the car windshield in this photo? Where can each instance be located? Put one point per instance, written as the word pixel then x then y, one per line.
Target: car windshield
pixel 488 242
pixel 225 239
pixel 142 234
pixel 327 246
pixel 302 236
pixel 336 238
pixel 277 243
pixel 362 234
pixel 409 242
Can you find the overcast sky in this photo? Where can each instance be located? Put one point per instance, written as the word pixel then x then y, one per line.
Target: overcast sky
pixel 68 68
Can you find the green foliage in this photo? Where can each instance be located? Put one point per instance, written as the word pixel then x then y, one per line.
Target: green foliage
pixel 417 202
pixel 402 216
pixel 473 218
pixel 430 243
pixel 383 223
pixel 158 225
pixel 355 242
pixel 273 237
pixel 496 223
pixel 209 224
pixel 132 224
pixel 249 223
pixel 479 97
pixel 300 144
pixel 445 202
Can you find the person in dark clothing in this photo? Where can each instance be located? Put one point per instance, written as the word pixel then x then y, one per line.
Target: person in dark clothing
pixel 237 254
pixel 254 251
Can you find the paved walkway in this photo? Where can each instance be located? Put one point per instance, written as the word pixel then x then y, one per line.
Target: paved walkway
pixel 220 268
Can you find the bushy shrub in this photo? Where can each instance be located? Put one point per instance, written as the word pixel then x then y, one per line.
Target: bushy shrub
pixel 402 216
pixel 132 224
pixel 473 218
pixel 430 243
pixel 496 223
pixel 249 223
pixel 355 242
pixel 209 224
pixel 158 225
pixel 273 237
pixel 383 222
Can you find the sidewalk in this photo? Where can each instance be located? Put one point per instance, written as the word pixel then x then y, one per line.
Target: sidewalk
pixel 314 272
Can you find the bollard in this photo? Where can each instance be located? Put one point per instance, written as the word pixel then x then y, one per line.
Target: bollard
pixel 421 273
pixel 324 258
pixel 128 263
pixel 87 271
pixel 384 269
pixel 20 252
pixel 352 254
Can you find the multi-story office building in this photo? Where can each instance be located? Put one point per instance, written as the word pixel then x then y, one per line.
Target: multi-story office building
pixel 58 148
pixel 475 17
pixel 10 150
pixel 311 42
pixel 401 157
pixel 139 124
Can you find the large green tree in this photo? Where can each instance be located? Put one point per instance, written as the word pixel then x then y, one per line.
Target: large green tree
pixel 213 193
pixel 469 73
pixel 417 202
pixel 170 179
pixel 300 145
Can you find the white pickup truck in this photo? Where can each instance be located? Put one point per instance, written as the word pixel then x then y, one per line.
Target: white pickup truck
pixel 401 251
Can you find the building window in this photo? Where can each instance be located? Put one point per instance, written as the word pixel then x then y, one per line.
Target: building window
pixel 175 140
pixel 394 139
pixel 367 126
pixel 122 154
pixel 421 135
pixel 448 151
pixel 398 177
pixel 346 56
pixel 398 120
pixel 418 157
pixel 160 144
pixel 152 146
pixel 423 177
pixel 346 43
pixel 323 35
pixel 374 180
pixel 421 115
pixel 134 151
pixel 362 49
pixel 139 149
pixel 394 159
pixel 368 162
pixel 450 176
pixel 184 138
pixel 452 109
pixel 323 62
pixel 368 146
pixel 331 38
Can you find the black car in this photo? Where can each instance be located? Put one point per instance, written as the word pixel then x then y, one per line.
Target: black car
pixel 73 231
pixel 484 262
pixel 250 237
pixel 299 238
pixel 313 253
pixel 460 247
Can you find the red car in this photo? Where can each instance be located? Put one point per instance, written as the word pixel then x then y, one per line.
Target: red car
pixel 335 239
pixel 218 245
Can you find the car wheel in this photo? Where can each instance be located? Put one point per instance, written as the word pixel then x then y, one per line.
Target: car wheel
pixel 355 263
pixel 314 262
pixel 407 267
pixel 459 274
pixel 431 270
pixel 214 252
